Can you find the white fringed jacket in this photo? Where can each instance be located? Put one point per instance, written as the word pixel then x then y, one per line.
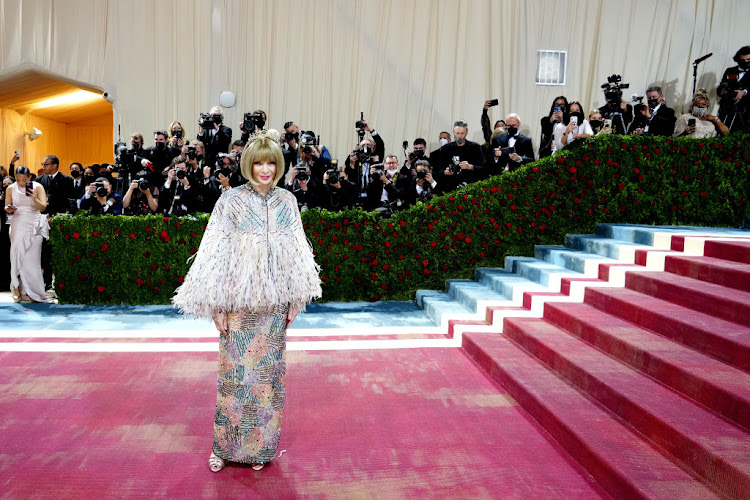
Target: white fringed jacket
pixel 254 255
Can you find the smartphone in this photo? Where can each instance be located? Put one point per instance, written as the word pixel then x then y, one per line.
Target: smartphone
pixel 608 123
pixel 493 102
pixel 574 120
pixel 16 153
pixel 691 122
pixel 557 108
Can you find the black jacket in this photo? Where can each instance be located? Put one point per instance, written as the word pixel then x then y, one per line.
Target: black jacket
pixel 732 82
pixel 523 147
pixel 59 191
pixel 661 123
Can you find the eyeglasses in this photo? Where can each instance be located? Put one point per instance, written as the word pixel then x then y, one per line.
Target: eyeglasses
pixel 47 164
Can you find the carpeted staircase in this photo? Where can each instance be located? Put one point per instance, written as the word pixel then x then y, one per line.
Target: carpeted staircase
pixel 631 347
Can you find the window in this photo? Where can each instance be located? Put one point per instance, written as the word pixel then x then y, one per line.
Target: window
pixel 550 67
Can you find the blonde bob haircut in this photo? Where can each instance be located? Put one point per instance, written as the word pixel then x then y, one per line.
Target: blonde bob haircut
pixel 262 148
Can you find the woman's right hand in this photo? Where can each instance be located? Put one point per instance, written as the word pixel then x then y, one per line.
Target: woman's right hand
pixel 220 320
pixel 10 209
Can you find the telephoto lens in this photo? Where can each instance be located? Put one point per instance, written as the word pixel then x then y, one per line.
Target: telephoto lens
pixel 180 174
pixel 101 190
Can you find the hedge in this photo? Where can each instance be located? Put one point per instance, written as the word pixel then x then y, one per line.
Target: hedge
pixel 625 179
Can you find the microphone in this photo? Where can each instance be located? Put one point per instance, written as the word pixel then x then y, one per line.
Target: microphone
pixel 406 144
pixel 701 59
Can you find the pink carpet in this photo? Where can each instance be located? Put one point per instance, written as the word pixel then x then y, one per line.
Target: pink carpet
pixel 407 423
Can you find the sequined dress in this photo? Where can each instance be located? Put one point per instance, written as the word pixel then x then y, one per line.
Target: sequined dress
pixel 254 262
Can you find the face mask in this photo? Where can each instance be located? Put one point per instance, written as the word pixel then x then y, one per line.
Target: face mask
pixel 595 124
pixel 512 131
pixel 461 141
pixel 698 112
pixel 89 178
pixel 652 103
pixel 177 133
pixel 217 119
pixel 744 65
pixel 443 141
pixel 75 174
pixel 135 145
pixel 160 146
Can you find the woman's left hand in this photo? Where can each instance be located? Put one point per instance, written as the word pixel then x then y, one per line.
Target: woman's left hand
pixel 291 315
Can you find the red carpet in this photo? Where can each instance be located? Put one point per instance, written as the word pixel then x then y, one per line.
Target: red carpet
pixel 406 423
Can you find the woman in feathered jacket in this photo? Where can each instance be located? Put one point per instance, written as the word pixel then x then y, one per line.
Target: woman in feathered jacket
pixel 253 272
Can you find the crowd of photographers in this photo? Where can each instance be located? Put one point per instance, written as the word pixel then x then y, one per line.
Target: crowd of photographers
pixel 180 176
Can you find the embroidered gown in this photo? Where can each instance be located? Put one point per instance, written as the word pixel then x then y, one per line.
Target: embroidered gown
pixel 255 262
pixel 27 230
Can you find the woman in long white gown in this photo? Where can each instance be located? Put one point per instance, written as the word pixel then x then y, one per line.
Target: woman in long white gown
pixel 25 200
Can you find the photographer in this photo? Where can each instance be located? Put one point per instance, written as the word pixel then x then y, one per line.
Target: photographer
pixel 419 149
pixel 99 199
pixel 310 154
pixel 215 137
pixel 303 186
pixel 337 192
pixel 558 114
pixel 228 167
pixel 616 109
pixel 141 198
pixel 697 123
pixel 251 124
pixel 485 120
pixel 161 154
pixel 461 160
pixel 734 106
pixel 653 118
pixel 367 152
pixel 425 185
pixel 177 196
pixel 387 188
pixel 176 137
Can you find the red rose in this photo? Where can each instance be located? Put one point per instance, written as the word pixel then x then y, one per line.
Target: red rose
pixel 384 286
pixel 577 201
pixel 132 236
pixel 148 229
pixel 166 267
pixel 386 267
pixel 426 272
pixel 105 247
pixel 117 232
pixel 95 234
pixel 573 170
pixel 180 279
pixel 560 160
pixel 467 239
pixel 76 235
pixel 193 235
pixel 61 286
pixel 154 267
pixel 100 289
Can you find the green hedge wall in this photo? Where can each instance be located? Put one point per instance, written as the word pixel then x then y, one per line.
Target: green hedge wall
pixel 626 179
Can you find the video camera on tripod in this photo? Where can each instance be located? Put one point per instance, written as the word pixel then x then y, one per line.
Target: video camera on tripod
pixel 613 89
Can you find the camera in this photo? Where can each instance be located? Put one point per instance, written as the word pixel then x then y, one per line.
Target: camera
pixel 421 174
pixel 206 120
pixel 180 174
pixel 455 165
pixel 379 171
pixel 364 154
pixel 416 155
pixel 613 89
pixel 725 88
pixel 308 142
pixel 191 153
pixel 251 121
pixel 143 184
pixel 333 176
pixel 301 173
pixel 101 191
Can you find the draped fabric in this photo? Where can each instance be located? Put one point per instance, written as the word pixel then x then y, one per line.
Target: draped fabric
pixel 413 67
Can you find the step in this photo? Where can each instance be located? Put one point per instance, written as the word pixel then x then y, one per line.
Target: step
pixel 473 294
pixel 505 282
pixel 710 269
pixel 716 385
pixel 666 237
pixel 700 440
pixel 716 337
pixel 623 251
pixel 539 271
pixel 618 458
pixel 440 306
pixel 726 303
pixel 573 260
pixel 736 251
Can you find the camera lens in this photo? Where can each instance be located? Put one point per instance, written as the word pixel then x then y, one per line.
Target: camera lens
pixel 101 191
pixel 180 174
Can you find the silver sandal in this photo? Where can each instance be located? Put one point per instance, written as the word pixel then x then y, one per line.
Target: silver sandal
pixel 215 463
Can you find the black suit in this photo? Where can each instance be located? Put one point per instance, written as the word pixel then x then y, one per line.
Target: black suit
pixel 59 190
pixel 523 147
pixel 217 143
pixel 661 123
pixel 77 193
pixel 727 108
